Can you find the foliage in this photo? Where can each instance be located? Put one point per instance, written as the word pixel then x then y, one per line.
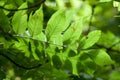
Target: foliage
pixel 72 40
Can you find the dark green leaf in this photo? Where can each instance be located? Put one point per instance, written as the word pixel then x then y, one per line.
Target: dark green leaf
pixel 4 21
pixel 100 57
pixel 56 61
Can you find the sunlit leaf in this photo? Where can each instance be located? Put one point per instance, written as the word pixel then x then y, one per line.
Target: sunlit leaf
pixel 41 37
pixel 60 3
pixel 105 0
pixel 74 60
pixel 74 31
pixel 19 20
pixel 57 23
pixel 119 7
pixel 35 23
pixel 57 41
pixel 92 38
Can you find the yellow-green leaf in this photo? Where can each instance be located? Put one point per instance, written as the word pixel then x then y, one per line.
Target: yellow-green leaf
pixel 35 23
pixel 19 20
pixel 92 38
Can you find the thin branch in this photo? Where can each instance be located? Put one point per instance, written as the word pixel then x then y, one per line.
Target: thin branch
pixel 36 5
pixel 65 46
pixel 19 65
pixel 36 66
pixel 90 22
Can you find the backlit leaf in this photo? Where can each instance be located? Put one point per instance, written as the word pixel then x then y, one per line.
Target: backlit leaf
pixel 35 23
pixel 19 20
pixel 74 31
pixel 74 60
pixel 58 22
pixel 57 41
pixel 92 38
pixel 105 0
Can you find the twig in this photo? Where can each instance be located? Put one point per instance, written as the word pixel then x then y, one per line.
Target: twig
pixel 21 66
pixel 90 22
pixel 36 5
pixel 40 41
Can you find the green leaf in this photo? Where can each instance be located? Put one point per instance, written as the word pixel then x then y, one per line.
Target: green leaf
pixel 31 1
pixel 100 57
pixel 74 31
pixel 28 47
pixel 60 4
pixel 57 41
pixel 56 61
pixel 4 21
pixel 105 0
pixel 2 75
pixel 89 66
pixel 35 23
pixel 22 45
pixel 41 37
pixel 18 2
pixel 115 75
pixel 74 60
pixel 92 38
pixel 50 51
pixel 57 23
pixel 108 41
pixel 33 50
pixel 19 20
pixel 67 67
pixel 119 6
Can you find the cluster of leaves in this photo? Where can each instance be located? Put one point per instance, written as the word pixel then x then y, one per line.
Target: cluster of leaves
pixel 60 46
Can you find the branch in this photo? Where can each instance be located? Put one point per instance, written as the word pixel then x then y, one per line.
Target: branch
pixel 36 5
pixel 64 46
pixel 20 66
pixel 67 46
